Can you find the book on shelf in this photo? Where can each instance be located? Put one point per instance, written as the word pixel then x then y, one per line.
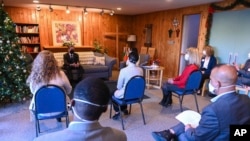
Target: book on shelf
pixel 189 117
pixel 27 29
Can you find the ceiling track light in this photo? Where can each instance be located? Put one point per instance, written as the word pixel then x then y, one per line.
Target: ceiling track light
pixel 112 12
pixel 102 12
pixel 67 9
pixel 50 8
pixel 85 11
pixel 38 8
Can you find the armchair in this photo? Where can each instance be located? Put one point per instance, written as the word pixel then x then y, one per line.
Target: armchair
pixel 143 60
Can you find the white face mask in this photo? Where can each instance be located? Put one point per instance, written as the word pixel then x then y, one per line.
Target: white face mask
pixel 204 52
pixel 186 57
pixel 87 102
pixel 212 88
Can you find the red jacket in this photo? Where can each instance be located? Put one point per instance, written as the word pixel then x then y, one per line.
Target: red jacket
pixel 181 80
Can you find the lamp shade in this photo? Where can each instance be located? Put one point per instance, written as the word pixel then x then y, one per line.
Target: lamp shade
pixel 131 38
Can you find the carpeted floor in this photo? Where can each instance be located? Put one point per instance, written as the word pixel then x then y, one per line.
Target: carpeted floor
pixel 15 124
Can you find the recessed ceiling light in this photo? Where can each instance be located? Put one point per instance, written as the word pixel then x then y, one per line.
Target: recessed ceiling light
pixel 118 8
pixel 35 1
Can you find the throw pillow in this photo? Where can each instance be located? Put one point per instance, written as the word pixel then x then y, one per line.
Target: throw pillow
pixel 87 60
pixel 99 60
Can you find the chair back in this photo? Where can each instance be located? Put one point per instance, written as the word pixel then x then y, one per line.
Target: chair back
pixel 50 98
pixel 135 88
pixel 193 82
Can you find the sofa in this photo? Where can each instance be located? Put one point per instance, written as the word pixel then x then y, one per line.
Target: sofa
pixel 94 63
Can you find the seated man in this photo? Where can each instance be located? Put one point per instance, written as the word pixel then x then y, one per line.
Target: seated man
pixel 244 73
pixel 125 74
pixel 91 97
pixel 227 108
pixel 72 65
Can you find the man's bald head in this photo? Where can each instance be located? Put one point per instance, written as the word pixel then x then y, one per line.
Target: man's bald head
pixel 225 74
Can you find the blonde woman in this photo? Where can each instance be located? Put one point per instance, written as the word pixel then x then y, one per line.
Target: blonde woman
pixel 46 71
pixel 173 84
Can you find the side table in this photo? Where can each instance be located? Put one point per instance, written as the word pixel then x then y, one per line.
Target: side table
pixel 153 76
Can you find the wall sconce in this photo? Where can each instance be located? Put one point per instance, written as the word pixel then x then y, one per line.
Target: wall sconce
pixel 176 23
pixel 50 8
pixel 131 39
pixel 67 10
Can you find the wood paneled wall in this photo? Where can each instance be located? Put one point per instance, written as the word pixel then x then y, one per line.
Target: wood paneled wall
pixel 94 26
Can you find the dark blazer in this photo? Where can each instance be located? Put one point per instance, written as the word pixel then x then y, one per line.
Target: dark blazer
pixel 68 60
pixel 212 62
pixel 244 74
pixel 217 117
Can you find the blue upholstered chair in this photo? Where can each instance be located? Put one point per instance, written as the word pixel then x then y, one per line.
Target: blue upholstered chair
pixel 50 103
pixel 134 93
pixel 192 87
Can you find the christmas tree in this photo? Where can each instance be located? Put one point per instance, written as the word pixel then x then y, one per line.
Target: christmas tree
pixel 13 65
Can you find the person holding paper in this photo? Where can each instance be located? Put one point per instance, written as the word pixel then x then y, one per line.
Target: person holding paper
pixel 227 108
pixel 244 73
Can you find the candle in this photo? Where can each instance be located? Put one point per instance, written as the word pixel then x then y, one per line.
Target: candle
pixel 235 57
pixel 229 61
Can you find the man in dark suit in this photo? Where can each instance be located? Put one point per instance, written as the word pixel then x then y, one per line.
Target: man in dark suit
pixel 72 65
pixel 227 108
pixel 244 73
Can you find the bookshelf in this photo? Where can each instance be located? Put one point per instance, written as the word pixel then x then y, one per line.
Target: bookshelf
pixel 29 37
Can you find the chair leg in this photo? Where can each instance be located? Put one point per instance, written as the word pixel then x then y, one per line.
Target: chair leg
pixel 37 127
pixel 129 109
pixel 110 113
pixel 142 113
pixel 180 100
pixel 67 121
pixel 120 112
pixel 204 87
pixel 196 102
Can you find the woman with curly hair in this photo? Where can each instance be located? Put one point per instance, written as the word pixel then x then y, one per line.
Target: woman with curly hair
pixel 45 71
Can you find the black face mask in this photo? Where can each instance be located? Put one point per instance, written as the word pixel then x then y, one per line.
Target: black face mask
pixel 71 51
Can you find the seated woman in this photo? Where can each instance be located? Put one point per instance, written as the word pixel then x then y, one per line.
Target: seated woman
pixel 45 71
pixel 208 62
pixel 173 84
pixel 125 61
pixel 244 73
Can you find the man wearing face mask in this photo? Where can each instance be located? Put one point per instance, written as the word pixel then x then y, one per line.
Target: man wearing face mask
pixel 91 97
pixel 72 65
pixel 244 73
pixel 227 108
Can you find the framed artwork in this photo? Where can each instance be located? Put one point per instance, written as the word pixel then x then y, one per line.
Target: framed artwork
pixel 66 31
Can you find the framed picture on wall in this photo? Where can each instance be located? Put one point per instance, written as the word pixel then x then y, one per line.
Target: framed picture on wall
pixel 65 31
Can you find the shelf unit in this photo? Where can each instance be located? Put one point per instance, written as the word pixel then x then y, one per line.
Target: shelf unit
pixel 29 37
pixel 153 76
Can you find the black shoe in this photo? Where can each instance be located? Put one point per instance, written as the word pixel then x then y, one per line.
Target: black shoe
pixel 116 116
pixel 164 135
pixel 199 92
pixel 59 119
pixel 125 112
